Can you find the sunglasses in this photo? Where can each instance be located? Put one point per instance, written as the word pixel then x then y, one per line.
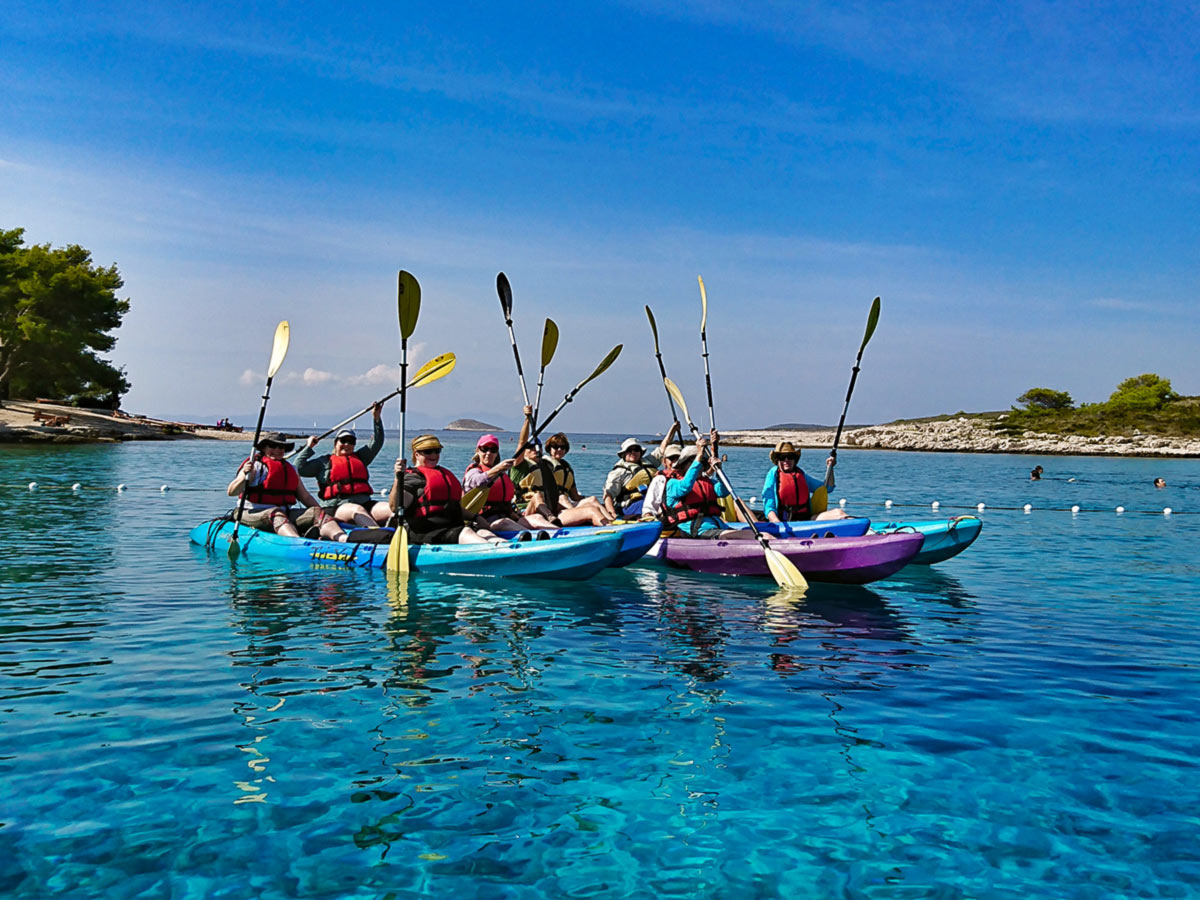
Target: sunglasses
pixel 347 440
pixel 792 456
pixel 489 448
pixel 557 447
pixel 434 452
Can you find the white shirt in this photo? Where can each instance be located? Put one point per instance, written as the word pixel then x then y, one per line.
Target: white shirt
pixel 657 489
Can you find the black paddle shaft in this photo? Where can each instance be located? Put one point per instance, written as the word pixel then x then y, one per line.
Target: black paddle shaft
pixel 712 419
pixel 262 411
pixel 850 390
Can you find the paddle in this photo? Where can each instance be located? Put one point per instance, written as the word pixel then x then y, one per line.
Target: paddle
pixel 408 304
pixel 278 352
pixel 730 514
pixel 549 345
pixel 504 289
pixel 474 499
pixel 662 370
pixel 438 367
pixel 820 498
pixel 782 569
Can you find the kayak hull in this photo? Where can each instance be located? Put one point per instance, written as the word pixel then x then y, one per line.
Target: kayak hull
pixel 841 560
pixel 636 538
pixel 852 527
pixel 944 538
pixel 571 558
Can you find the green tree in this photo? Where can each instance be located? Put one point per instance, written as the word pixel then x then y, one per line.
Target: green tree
pixel 1142 392
pixel 57 310
pixel 1045 398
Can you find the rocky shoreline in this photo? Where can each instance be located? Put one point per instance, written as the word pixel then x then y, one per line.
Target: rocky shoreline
pixel 965 435
pixel 30 422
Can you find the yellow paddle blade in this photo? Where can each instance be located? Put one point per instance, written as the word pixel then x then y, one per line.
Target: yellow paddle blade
pixel 784 571
pixel 604 364
pixel 703 304
pixel 408 302
pixel 473 500
pixel 653 327
pixel 728 509
pixel 438 367
pixel 397 555
pixel 819 502
pixel 678 398
pixel 549 342
pixel 283 335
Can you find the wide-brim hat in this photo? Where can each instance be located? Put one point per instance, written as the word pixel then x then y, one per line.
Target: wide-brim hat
pixel 426 442
pixel 275 439
pixel 784 448
pixel 628 444
pixel 687 454
pixel 672 450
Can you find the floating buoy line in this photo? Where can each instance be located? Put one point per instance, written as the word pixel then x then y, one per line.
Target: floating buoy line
pixel 935 505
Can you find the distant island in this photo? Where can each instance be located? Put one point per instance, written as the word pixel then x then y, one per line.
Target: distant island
pixel 472 425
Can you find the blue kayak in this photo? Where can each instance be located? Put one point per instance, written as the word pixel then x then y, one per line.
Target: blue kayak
pixel 574 557
pixel 944 538
pixel 636 538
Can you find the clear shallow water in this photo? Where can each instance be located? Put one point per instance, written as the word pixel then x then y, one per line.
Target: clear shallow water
pixel 1017 722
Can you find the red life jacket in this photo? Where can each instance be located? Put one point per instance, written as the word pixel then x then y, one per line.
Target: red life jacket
pixel 347 476
pixel 278 488
pixel 793 495
pixel 500 495
pixel 441 489
pixel 700 502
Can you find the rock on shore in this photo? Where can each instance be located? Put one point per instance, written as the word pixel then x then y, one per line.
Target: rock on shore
pixel 965 435
pixel 25 421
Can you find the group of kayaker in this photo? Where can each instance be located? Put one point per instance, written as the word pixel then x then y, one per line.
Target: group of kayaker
pixel 532 493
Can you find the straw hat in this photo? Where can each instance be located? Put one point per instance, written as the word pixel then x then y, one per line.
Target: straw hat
pixel 426 442
pixel 783 447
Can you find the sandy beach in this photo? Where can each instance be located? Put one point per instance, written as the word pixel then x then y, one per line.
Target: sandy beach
pixel 27 421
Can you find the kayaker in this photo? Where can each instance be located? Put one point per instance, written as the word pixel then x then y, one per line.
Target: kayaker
pixel 432 498
pixel 499 512
pixel 557 448
pixel 1160 482
pixel 273 489
pixel 342 486
pixel 691 499
pixel 655 491
pixel 625 486
pixel 787 491
pixel 537 488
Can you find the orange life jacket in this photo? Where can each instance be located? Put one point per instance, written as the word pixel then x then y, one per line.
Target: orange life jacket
pixel 441 489
pixel 700 502
pixel 793 495
pixel 278 488
pixel 347 476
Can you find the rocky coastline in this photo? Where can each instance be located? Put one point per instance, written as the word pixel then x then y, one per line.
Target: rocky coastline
pixel 966 435
pixel 32 422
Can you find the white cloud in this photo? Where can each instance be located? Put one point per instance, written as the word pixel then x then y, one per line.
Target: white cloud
pixel 249 377
pixel 316 376
pixel 380 374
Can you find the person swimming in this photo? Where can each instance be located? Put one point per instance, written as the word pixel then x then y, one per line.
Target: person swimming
pixel 1160 482
pixel 1036 474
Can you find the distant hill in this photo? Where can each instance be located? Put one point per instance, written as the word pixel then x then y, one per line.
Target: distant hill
pixel 471 425
pixel 795 426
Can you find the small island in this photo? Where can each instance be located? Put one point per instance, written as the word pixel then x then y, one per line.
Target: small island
pixel 472 425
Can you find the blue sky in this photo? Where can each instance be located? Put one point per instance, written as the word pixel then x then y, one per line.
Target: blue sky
pixel 1019 182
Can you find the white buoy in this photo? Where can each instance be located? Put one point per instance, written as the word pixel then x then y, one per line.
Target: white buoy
pixel 842 503
pixel 1120 509
pixel 887 503
pixel 935 504
pixel 1074 509
pixel 76 486
pixel 1028 507
pixel 164 488
pixel 33 485
pixel 979 506
pixel 120 487
pixel 753 499
pixel 1167 510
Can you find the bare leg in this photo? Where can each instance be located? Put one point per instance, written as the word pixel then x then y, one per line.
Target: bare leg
pixel 536 521
pixel 352 512
pixel 282 525
pixel 582 516
pixel 381 513
pixel 332 531
pixel 478 536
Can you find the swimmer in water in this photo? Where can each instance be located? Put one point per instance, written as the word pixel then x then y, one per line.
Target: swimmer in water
pixel 1160 482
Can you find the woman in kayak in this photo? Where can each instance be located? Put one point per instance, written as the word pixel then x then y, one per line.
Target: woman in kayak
pixel 431 498
pixel 691 498
pixel 273 488
pixel 557 449
pixel 787 491
pixel 538 490
pixel 342 486
pixel 488 470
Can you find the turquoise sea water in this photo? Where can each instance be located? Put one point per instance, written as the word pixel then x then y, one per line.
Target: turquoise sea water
pixel 1020 721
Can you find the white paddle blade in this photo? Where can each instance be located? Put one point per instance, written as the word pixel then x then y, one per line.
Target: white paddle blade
pixel 703 304
pixel 784 571
pixel 678 398
pixel 282 336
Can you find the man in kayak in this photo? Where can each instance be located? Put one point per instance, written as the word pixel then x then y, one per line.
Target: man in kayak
pixel 787 491
pixel 625 486
pixel 431 497
pixel 342 486
pixel 273 489
pixel 692 496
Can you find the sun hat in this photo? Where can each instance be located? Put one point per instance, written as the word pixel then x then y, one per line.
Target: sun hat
pixel 487 440
pixel 783 448
pixel 687 454
pixel 672 451
pixel 628 444
pixel 425 442
pixel 346 433
pixel 276 439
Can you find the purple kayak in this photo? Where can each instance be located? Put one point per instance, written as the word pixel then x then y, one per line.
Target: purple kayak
pixel 844 560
